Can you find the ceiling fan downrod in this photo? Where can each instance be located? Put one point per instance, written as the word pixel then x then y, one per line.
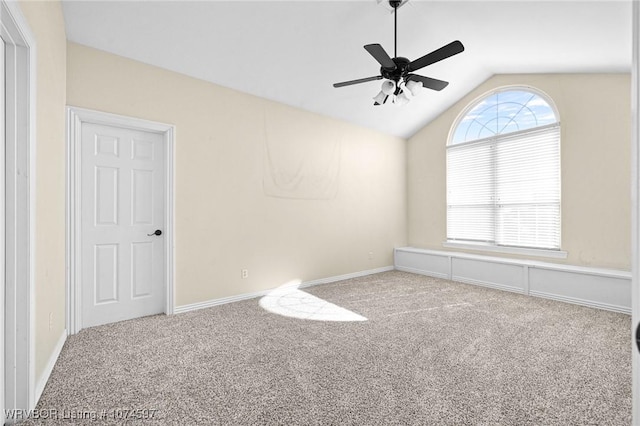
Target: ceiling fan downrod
pixel 395 4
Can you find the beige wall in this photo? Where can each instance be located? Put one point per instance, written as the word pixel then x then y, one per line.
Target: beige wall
pixel 47 24
pixel 224 220
pixel 596 147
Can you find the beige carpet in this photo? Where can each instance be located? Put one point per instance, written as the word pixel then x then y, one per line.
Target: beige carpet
pixel 432 352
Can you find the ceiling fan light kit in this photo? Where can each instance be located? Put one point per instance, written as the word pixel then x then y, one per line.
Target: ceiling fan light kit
pixel 380 98
pixel 401 99
pixel 414 87
pixel 388 87
pixel 397 71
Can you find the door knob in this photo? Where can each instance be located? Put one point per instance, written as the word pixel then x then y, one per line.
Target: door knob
pixel 157 232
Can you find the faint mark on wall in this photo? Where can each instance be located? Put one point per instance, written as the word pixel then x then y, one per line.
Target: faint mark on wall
pixel 302 159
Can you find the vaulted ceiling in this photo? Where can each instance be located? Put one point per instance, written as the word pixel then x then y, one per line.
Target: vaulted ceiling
pixel 292 51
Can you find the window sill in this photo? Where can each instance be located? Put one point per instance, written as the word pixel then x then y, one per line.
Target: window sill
pixel 557 254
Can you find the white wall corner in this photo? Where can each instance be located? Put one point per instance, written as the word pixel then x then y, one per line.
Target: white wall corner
pixel 635 208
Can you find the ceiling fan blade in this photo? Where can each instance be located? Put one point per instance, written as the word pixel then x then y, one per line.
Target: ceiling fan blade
pixel 381 56
pixel 429 83
pixel 444 52
pixel 362 80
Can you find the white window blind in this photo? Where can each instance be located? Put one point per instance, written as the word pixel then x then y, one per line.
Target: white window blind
pixel 505 190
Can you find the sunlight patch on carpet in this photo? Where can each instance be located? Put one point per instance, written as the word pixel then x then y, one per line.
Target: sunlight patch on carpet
pixel 289 301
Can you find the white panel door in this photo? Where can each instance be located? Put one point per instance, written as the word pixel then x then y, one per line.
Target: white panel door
pixel 122 204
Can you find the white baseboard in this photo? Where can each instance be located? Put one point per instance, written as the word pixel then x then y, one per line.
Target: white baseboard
pixel 245 296
pixel 345 276
pixel 42 381
pixel 593 287
pixel 216 302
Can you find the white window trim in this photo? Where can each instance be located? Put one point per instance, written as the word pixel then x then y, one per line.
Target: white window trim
pixel 557 254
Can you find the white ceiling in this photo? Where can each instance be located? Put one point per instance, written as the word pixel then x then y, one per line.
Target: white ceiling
pixel 292 51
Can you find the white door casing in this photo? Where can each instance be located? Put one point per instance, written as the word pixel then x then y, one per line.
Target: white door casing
pixel 18 170
pixel 122 205
pixel 120 189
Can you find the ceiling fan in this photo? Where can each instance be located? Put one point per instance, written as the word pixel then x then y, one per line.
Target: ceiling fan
pixel 398 71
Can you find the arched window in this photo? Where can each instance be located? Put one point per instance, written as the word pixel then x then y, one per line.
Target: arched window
pixel 503 172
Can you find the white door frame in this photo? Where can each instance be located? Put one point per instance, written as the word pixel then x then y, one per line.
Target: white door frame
pixel 75 118
pixel 635 208
pixel 17 353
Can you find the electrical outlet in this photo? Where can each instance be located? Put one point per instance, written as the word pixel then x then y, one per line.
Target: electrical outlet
pixel 370 255
pixel 50 320
pixel 244 273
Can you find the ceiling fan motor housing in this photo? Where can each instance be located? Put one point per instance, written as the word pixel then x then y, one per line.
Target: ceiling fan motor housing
pixel 400 72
